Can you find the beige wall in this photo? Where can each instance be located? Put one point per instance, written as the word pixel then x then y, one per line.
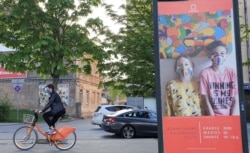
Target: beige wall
pixel 88 94
pixel 28 96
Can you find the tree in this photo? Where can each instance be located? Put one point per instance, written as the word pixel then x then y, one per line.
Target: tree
pixel 49 38
pixel 133 69
pixel 245 37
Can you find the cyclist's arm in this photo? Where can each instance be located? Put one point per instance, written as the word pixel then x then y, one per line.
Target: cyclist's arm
pixel 48 105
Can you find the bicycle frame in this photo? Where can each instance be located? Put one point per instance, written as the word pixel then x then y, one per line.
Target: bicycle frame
pixel 26 136
pixel 61 133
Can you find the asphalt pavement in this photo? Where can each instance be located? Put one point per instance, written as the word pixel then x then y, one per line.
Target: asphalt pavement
pixel 90 139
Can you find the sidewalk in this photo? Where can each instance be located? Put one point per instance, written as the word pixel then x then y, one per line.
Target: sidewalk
pixel 85 131
pixel 9 124
pixel 61 120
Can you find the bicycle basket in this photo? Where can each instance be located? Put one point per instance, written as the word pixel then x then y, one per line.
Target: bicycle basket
pixel 28 118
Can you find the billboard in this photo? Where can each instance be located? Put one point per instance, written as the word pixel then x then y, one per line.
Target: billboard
pixel 196 60
pixel 62 90
pixel 9 75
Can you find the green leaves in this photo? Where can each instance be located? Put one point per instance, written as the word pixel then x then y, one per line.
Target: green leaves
pixel 50 41
pixel 48 38
pixel 133 51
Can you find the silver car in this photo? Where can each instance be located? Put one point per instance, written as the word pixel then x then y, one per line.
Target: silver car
pixel 105 110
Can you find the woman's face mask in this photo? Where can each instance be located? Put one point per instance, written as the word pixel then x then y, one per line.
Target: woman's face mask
pixel 184 67
pixel 184 71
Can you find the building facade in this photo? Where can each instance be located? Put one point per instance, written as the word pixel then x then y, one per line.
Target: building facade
pixel 79 92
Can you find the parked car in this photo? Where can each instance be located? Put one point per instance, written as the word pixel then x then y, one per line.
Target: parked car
pixel 106 109
pixel 131 123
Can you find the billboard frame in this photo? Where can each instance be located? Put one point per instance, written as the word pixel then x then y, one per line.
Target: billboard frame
pixel 239 73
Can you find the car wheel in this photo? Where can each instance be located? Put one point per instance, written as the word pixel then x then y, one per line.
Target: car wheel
pixel 128 132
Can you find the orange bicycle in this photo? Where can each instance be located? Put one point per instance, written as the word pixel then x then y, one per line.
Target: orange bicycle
pixel 26 137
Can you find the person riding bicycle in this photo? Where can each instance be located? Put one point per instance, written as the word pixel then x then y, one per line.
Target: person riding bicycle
pixel 56 111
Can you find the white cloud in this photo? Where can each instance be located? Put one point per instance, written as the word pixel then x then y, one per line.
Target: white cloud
pixel 5 49
pixel 100 12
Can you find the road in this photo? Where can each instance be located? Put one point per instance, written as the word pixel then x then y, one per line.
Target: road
pixel 90 139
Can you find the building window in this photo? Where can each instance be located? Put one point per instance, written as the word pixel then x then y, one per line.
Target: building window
pixel 87 97
pixel 94 97
pixel 98 97
pixel 81 96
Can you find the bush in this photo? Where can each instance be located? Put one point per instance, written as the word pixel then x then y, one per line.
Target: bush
pixel 5 107
pixel 16 115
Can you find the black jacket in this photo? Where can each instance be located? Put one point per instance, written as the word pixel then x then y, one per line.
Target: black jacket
pixel 54 103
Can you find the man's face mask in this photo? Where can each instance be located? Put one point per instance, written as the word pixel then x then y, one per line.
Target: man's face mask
pixel 218 59
pixel 219 55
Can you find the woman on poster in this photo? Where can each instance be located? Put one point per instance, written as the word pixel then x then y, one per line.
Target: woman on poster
pixel 182 94
pixel 218 83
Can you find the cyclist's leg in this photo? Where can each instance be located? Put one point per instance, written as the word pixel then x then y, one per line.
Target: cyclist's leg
pixel 56 117
pixel 47 116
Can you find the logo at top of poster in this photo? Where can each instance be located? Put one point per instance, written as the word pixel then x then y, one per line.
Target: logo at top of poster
pixel 189 33
pixel 193 8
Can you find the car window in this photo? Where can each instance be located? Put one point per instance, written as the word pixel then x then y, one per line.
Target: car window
pixel 116 108
pixel 137 114
pixel 131 114
pixel 98 108
pixel 152 115
pixel 120 107
pixel 142 114
pixel 128 107
pixel 111 108
pixel 124 107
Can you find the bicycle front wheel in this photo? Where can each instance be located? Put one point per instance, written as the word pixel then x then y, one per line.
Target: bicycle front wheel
pixel 25 138
pixel 66 143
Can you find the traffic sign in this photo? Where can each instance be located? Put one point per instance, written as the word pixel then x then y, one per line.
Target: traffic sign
pixel 17 88
pixel 17 84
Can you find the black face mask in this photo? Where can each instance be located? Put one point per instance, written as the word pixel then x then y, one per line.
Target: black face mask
pixel 48 91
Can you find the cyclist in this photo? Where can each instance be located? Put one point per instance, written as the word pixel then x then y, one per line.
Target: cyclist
pixel 56 109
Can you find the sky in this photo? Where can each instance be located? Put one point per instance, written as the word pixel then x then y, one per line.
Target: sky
pixel 102 15
pixel 5 49
pixel 99 12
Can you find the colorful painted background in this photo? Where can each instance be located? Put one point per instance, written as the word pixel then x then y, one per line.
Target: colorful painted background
pixel 189 33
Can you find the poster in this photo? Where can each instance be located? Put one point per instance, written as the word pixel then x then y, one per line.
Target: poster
pixel 198 76
pixel 62 90
pixel 11 75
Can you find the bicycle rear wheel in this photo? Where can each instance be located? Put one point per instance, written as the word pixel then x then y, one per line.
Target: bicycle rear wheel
pixel 66 143
pixel 25 138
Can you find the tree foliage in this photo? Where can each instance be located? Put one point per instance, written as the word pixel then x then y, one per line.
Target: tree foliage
pixel 49 38
pixel 245 37
pixel 133 69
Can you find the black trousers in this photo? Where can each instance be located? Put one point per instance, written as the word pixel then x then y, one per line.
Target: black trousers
pixel 51 118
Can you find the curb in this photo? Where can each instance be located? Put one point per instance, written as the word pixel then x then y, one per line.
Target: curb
pixel 16 123
pixel 9 124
